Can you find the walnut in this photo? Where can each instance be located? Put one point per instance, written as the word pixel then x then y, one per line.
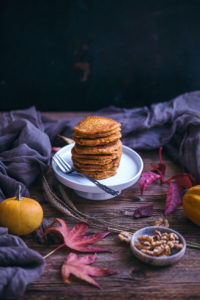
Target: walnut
pixel 158 235
pixel 125 236
pixel 166 223
pixel 171 244
pixel 157 243
pixel 149 252
pixel 145 238
pixel 165 236
pixel 158 250
pixel 173 236
pixel 178 246
pixel 167 250
pixel 158 222
pixel 146 243
pixel 142 246
pixel 138 245
pixel 164 242
pixel 162 222
pixel 176 236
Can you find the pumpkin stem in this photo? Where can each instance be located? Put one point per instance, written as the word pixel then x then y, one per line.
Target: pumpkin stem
pixel 18 195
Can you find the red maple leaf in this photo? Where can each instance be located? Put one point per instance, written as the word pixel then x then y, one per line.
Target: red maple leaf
pixel 174 197
pixel 76 238
pixel 146 179
pixel 79 267
pixel 161 168
pixel 183 179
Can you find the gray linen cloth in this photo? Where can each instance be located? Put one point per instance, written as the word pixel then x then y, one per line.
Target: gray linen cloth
pixel 26 138
pixel 19 265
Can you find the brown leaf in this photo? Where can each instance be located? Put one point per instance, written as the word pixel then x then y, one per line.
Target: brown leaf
pixel 79 267
pixel 40 237
pixel 143 211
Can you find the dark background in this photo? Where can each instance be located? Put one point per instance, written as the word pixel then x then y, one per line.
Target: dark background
pixel 84 55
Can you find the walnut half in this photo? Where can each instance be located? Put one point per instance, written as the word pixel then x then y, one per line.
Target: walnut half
pixel 125 236
pixel 162 222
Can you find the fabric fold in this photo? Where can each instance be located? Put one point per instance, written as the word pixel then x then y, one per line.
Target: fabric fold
pixel 19 265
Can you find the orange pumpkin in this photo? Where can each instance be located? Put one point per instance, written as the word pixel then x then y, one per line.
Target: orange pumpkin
pixel 191 204
pixel 20 214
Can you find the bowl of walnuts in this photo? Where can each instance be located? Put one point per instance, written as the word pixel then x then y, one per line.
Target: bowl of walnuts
pixel 157 245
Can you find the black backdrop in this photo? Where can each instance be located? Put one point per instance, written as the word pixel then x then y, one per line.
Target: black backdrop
pixel 83 55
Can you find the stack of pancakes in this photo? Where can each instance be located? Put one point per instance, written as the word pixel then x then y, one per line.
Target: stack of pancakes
pixel 98 148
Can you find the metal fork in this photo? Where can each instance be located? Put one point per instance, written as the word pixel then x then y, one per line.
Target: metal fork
pixel 68 169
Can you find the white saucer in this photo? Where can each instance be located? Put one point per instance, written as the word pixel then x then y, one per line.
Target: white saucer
pixel 128 173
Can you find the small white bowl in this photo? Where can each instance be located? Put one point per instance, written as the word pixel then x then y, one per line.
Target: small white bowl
pixel 128 173
pixel 155 260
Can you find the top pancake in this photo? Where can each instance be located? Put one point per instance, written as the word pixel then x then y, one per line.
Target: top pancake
pixel 94 136
pixel 94 126
pixel 98 141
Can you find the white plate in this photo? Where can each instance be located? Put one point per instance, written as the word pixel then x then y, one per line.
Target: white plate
pixel 128 173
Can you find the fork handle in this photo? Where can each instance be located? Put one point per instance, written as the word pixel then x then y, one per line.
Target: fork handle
pixel 102 186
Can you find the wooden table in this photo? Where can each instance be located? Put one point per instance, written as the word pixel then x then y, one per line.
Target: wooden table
pixel 136 280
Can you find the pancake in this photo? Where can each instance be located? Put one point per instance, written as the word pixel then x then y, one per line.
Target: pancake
pixel 94 167
pixel 98 141
pixel 101 161
pixel 93 157
pixel 98 160
pixel 100 175
pixel 94 126
pixel 110 148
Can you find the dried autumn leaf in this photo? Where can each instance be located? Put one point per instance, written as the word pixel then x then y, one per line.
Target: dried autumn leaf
pixel 143 211
pixel 146 179
pixel 182 179
pixel 76 238
pixel 161 166
pixel 79 267
pixel 174 197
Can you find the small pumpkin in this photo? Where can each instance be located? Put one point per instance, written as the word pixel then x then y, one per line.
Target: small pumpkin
pixel 191 204
pixel 20 214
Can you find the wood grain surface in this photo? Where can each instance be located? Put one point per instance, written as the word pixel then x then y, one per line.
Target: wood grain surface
pixel 136 280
